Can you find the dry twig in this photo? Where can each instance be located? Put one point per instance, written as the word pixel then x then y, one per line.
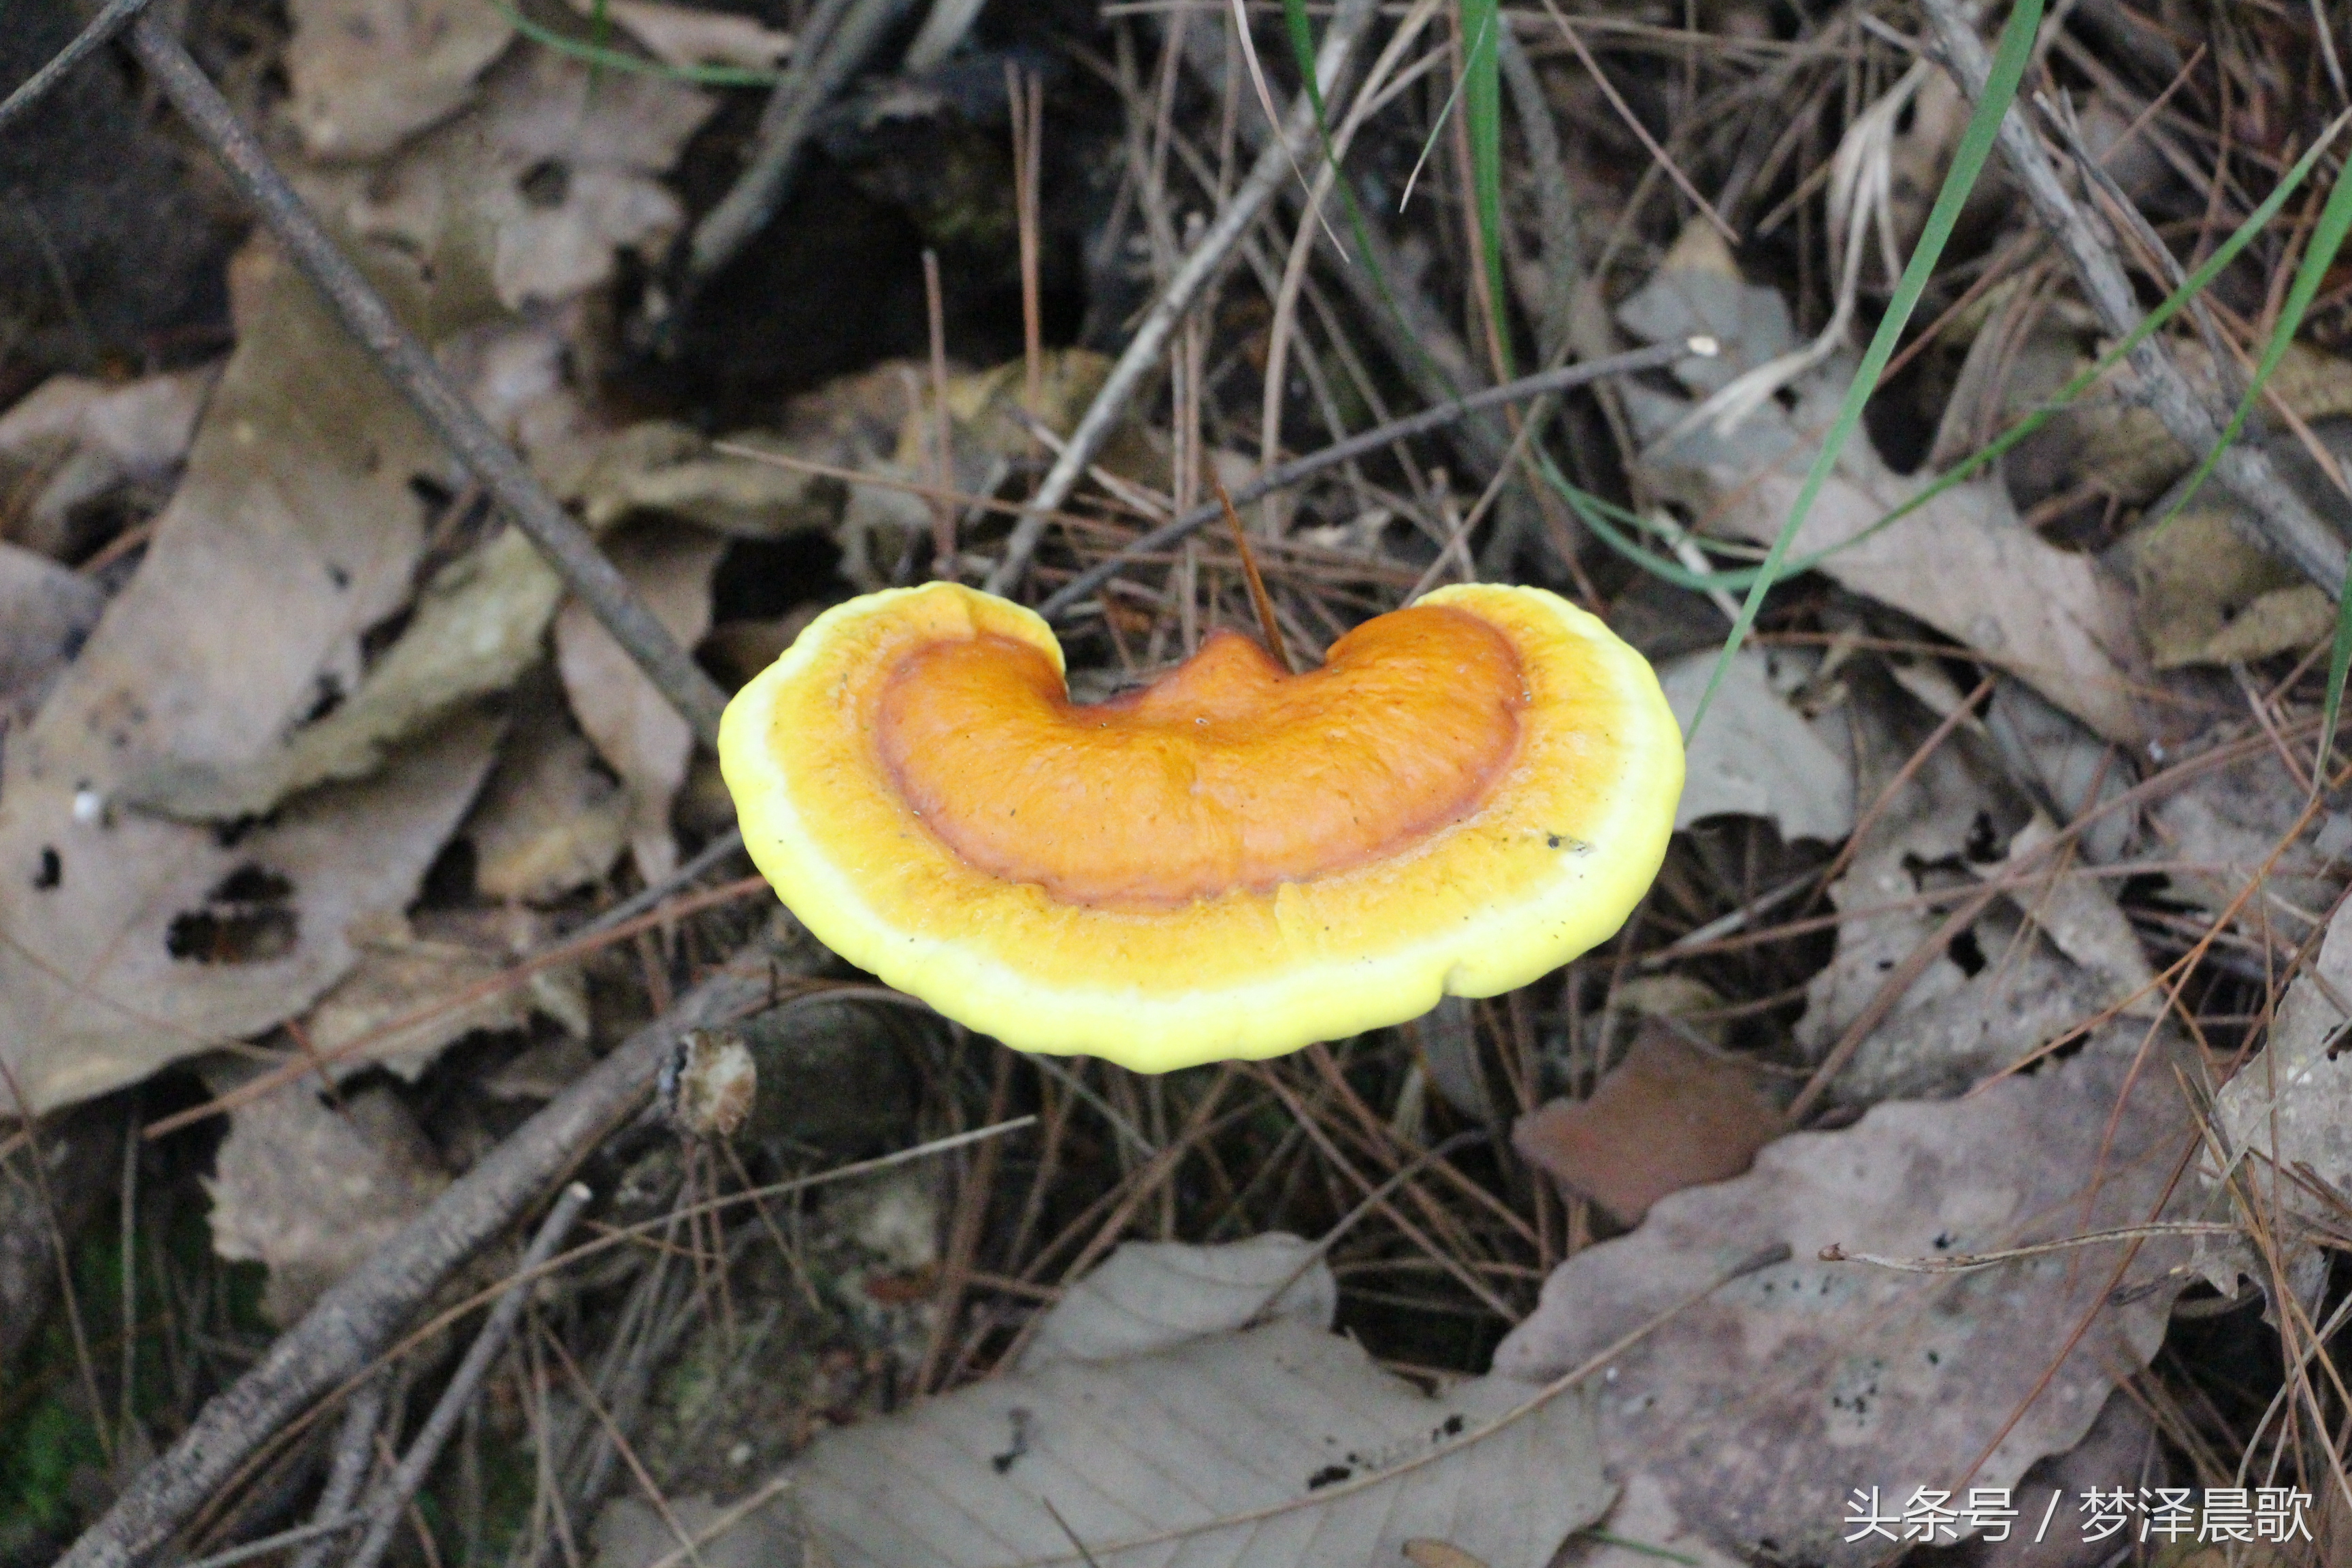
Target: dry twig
pixel 411 367
pixel 2285 521
pixel 353 1321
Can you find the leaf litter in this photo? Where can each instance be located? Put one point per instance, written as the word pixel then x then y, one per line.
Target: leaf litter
pixel 318 761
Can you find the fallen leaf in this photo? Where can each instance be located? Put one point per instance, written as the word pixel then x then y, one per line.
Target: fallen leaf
pixel 314 1190
pixel 46 613
pixel 1151 1296
pixel 71 441
pixel 666 469
pixel 534 193
pixel 631 723
pixel 2072 773
pixel 1668 1117
pixel 1697 290
pixel 985 435
pixel 369 74
pixel 2055 952
pixel 477 626
pixel 2208 595
pixel 686 36
pixel 2112 434
pixel 449 971
pixel 552 818
pixel 1761 1408
pixel 1277 1444
pixel 155 940
pixel 1756 756
pixel 2225 828
pixel 630 1535
pixel 1963 563
pixel 2122 1442
pixel 294 532
pixel 1641 1531
pixel 2284 1121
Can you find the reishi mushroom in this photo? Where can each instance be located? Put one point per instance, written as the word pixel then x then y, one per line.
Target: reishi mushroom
pixel 1232 861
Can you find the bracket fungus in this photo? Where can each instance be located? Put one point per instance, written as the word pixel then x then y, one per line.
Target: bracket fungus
pixel 1232 861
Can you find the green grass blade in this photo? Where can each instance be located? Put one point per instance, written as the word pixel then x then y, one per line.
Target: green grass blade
pixel 1302 46
pixel 600 57
pixel 1482 111
pixel 2326 239
pixel 1968 162
pixel 1606 520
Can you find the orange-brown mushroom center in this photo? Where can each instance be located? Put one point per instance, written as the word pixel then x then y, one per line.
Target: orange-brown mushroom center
pixel 1225 774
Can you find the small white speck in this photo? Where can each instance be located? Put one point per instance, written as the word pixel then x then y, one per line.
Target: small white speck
pixel 88 806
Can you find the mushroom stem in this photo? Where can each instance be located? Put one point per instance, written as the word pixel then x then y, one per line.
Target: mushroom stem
pixel 1264 601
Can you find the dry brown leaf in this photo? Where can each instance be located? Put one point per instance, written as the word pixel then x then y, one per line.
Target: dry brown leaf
pixel 688 35
pixel 314 1190
pixel 630 1535
pixel 1760 1409
pixel 985 433
pixel 552 818
pixel 2113 435
pixel 1284 1430
pixel 132 941
pixel 72 440
pixel 46 613
pixel 2055 953
pixel 369 74
pixel 632 725
pixel 659 466
pixel 1639 1530
pixel 2207 596
pixel 143 427
pixel 1963 563
pixel 2287 1114
pixel 446 966
pixel 2226 827
pixel 478 625
pixel 158 939
pixel 529 198
pixel 1756 756
pixel 1669 1116
pixel 1151 1296
pixel 295 530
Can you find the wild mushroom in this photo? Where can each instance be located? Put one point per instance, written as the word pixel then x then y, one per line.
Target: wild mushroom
pixel 1232 861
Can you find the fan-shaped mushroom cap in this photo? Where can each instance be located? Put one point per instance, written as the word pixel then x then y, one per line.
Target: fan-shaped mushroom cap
pixel 1231 862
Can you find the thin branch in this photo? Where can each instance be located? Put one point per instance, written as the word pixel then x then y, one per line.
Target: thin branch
pixel 411 367
pixel 386 1507
pixel 347 1472
pixel 2286 522
pixel 116 15
pixel 355 1321
pixel 837 39
pixel 1071 593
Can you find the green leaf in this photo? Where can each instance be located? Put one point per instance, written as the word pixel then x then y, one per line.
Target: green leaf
pixel 1482 110
pixel 1968 162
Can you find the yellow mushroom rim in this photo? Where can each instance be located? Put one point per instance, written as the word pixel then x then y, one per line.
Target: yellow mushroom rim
pixel 1232 861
